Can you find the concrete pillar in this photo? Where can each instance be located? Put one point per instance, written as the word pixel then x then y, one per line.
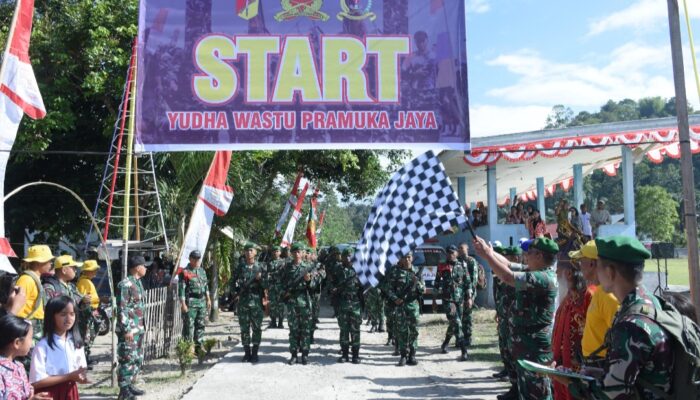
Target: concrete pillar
pixel 578 186
pixel 540 198
pixel 492 196
pixel 513 195
pixel 627 168
pixel 462 190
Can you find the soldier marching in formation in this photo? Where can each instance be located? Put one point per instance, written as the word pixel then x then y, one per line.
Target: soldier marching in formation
pixel 298 281
pixel 453 286
pixel 470 296
pixel 348 290
pixel 193 291
pixel 249 291
pixel 274 287
pixel 130 328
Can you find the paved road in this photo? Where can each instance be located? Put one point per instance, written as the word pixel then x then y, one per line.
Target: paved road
pixel 437 376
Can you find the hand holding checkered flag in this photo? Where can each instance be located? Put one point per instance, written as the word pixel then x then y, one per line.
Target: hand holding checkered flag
pixel 418 203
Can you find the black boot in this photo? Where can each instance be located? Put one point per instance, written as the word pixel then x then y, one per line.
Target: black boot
pixel 372 328
pixel 293 359
pixel 465 355
pixel 468 341
pixel 412 357
pixel 381 326
pixel 402 360
pixel 246 356
pixel 125 393
pixel 273 323
pixel 396 348
pixel 304 357
pixel 388 340
pixel 501 374
pixel 279 323
pixel 344 354
pixel 445 344
pixel 355 354
pixel 136 391
pixel 512 394
pixel 254 355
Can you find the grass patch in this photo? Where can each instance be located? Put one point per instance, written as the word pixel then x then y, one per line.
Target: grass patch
pixel 677 270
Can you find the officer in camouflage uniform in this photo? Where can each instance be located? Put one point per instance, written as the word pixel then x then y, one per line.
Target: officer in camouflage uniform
pixel 404 288
pixel 298 282
pixel 533 311
pixel 130 328
pixel 375 308
pixel 193 290
pixel 319 274
pixel 249 289
pixel 452 283
pixel 470 296
pixel 640 355
pixel 333 266
pixel 348 289
pixel 390 311
pixel 274 285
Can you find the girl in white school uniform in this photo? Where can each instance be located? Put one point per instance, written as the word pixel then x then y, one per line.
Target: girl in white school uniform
pixel 58 360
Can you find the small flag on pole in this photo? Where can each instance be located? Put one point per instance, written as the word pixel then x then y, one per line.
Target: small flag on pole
pixel 311 222
pixel 291 202
pixel 418 203
pixel 320 224
pixel 288 237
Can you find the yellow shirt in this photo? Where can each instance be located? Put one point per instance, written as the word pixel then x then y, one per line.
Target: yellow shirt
pixel 599 319
pixel 32 291
pixel 85 286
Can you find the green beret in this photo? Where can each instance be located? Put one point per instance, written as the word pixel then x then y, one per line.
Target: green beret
pixel 499 250
pixel 298 247
pixel 332 249
pixel 513 251
pixel 348 251
pixel 276 248
pixel 250 245
pixel 546 245
pixel 624 249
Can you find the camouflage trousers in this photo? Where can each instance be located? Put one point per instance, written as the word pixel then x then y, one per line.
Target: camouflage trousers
pixel 349 322
pixel 130 357
pixel 406 325
pixel 193 321
pixel 503 328
pixel 250 317
pixel 534 347
pixel 316 301
pixel 375 307
pixel 390 310
pixel 467 322
pixel 453 312
pixel 276 305
pixel 88 331
pixel 300 320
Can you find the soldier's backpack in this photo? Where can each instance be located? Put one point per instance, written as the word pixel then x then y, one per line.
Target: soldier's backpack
pixel 685 343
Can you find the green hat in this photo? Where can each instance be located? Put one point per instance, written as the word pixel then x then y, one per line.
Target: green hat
pixel 298 247
pixel 499 249
pixel 348 251
pixel 512 251
pixel 250 245
pixel 333 249
pixel 546 245
pixel 624 249
pixel 276 248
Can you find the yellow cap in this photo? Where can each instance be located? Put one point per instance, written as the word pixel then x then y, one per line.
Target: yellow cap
pixel 39 253
pixel 90 265
pixel 65 261
pixel 589 251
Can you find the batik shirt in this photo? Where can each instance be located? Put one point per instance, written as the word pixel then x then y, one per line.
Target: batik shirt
pixel 14 384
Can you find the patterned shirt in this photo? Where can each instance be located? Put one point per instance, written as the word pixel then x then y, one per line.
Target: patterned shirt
pixel 192 283
pixel 131 306
pixel 453 282
pixel 14 384
pixel 535 293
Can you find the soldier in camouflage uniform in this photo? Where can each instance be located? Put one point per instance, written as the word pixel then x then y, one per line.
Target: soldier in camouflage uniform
pixel 193 291
pixel 333 266
pixel 274 285
pixel 470 296
pixel 130 328
pixel 249 289
pixel 298 282
pixel 348 289
pixel 375 308
pixel 452 284
pixel 390 311
pixel 404 288
pixel 319 273
pixel 640 355
pixel 533 311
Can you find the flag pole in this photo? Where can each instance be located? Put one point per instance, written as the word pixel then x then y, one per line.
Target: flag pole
pixel 129 160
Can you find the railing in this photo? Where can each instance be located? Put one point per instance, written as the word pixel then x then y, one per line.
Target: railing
pixel 163 322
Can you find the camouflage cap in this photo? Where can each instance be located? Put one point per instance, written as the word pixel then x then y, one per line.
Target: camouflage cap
pixel 624 249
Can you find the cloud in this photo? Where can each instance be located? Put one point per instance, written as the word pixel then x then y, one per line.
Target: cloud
pixel 632 70
pixel 643 15
pixel 489 120
pixel 478 6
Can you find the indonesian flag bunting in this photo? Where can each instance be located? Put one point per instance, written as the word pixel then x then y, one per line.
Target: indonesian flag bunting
pixel 288 237
pixel 19 95
pixel 290 203
pixel 311 222
pixel 320 224
pixel 214 199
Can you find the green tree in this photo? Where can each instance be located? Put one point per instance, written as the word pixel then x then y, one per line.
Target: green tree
pixel 560 117
pixel 657 213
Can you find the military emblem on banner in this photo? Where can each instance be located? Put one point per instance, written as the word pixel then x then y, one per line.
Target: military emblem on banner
pixel 354 10
pixel 247 9
pixel 301 8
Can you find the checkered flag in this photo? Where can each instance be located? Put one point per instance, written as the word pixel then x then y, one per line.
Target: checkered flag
pixel 417 204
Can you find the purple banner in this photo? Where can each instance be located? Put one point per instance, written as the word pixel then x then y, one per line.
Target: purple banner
pixel 302 74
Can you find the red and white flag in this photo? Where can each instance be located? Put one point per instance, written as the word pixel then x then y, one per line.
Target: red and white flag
pixel 311 222
pixel 288 237
pixel 290 203
pixel 320 224
pixel 214 199
pixel 19 95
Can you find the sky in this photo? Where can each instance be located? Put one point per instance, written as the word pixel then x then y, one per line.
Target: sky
pixel 526 56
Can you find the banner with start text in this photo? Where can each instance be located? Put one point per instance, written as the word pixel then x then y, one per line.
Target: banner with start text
pixel 302 74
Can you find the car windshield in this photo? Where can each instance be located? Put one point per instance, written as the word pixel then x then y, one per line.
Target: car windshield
pixel 428 257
